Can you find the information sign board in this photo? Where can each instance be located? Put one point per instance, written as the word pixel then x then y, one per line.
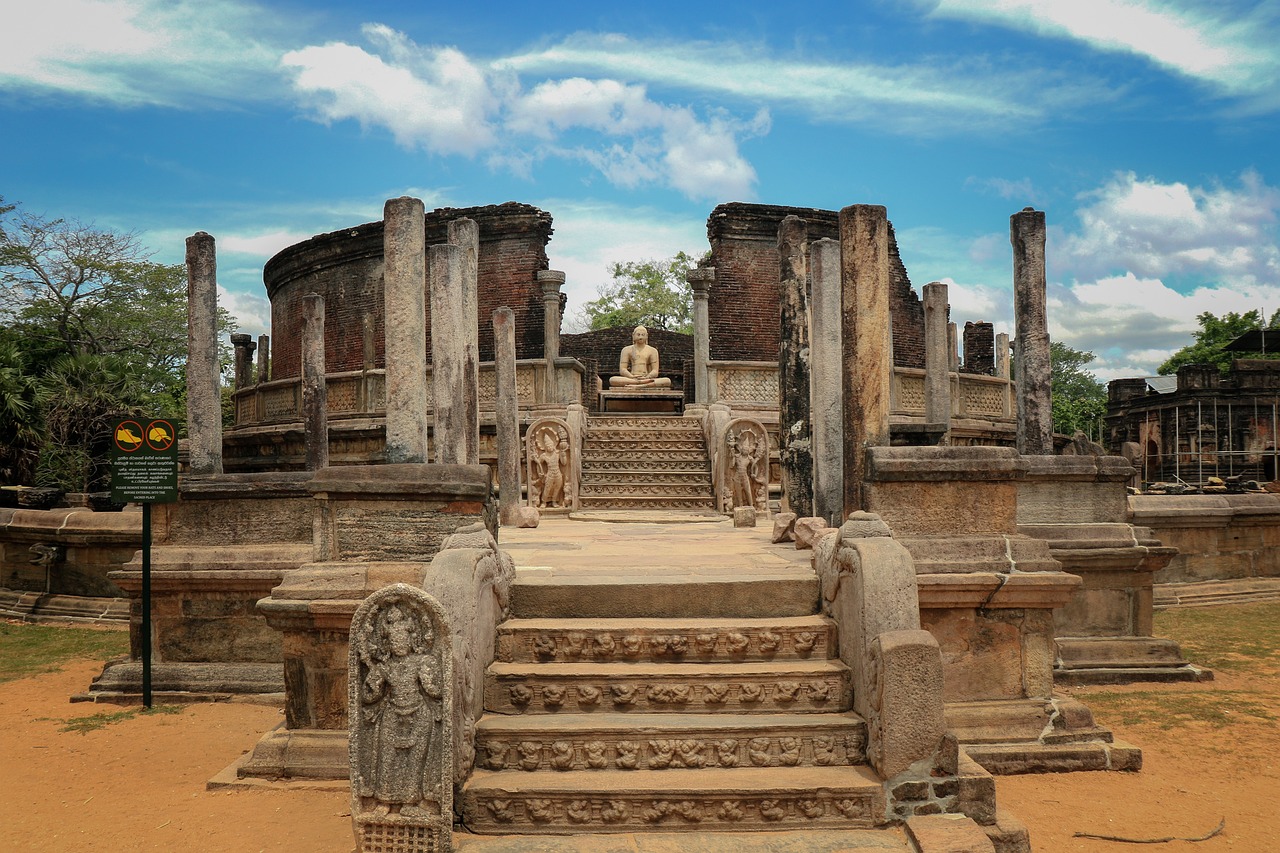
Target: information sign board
pixel 144 461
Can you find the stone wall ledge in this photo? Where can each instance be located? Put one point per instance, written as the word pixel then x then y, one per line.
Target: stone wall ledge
pixel 198 582
pixel 318 583
pixel 944 464
pixel 1203 510
pixel 104 527
pixel 255 486
pixel 1111 469
pixel 412 481
pixel 1040 590
pixel 996 553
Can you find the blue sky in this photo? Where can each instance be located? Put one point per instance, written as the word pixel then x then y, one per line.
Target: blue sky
pixel 1147 131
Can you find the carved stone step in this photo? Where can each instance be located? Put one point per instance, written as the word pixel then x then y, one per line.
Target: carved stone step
pixel 633 595
pixel 650 476
pixel 655 444
pixel 642 800
pixel 590 458
pixel 565 742
pixel 674 422
pixel 700 640
pixel 700 491
pixel 671 688
pixel 646 466
pixel 617 502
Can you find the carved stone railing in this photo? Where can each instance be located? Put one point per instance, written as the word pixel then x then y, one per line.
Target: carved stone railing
pixel 972 395
pixel 743 384
pixel 362 393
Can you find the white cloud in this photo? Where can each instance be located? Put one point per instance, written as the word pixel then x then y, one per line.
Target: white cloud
pixel 135 52
pixel 1224 45
pixel 1166 229
pixel 917 97
pixel 252 313
pixel 432 97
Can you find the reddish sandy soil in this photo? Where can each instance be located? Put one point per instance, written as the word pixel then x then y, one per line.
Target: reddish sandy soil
pixel 139 784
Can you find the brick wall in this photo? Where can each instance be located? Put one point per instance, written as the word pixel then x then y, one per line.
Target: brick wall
pixel 345 267
pixel 979 348
pixel 743 302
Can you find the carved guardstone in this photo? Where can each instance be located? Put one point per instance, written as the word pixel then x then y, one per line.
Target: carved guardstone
pixel 744 471
pixel 549 455
pixel 400 685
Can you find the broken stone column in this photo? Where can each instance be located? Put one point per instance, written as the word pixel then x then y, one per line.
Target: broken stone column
pixel 204 397
pixel 465 234
pixel 937 379
pixel 1002 355
pixel 793 367
pixel 700 280
pixel 507 416
pixel 452 395
pixel 405 293
pixel 551 282
pixel 867 344
pixel 264 358
pixel 243 346
pixel 315 416
pixel 953 348
pixel 825 377
pixel 1031 330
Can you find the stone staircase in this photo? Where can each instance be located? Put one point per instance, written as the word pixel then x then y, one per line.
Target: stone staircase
pixel 599 722
pixel 645 462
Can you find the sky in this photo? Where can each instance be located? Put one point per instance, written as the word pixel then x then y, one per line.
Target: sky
pixel 1147 131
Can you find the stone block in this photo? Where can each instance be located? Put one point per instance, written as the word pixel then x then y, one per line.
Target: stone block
pixel 906 722
pixel 808 530
pixel 784 524
pixel 940 833
pixel 527 516
pixel 744 516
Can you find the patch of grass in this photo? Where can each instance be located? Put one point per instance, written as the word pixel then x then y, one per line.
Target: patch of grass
pixel 1175 709
pixel 84 725
pixel 1236 638
pixel 32 649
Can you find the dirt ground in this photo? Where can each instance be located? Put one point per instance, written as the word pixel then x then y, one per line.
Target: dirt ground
pixel 139 783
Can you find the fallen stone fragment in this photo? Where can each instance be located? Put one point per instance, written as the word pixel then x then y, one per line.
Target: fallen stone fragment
pixel 784 524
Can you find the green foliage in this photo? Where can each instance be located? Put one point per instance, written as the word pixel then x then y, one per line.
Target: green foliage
pixel 1214 334
pixel 1079 400
pixel 649 293
pixel 102 332
pixel 27 650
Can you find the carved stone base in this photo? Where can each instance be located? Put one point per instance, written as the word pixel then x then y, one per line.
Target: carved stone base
pixel 121 682
pixel 1038 736
pixel 284 754
pixel 1120 660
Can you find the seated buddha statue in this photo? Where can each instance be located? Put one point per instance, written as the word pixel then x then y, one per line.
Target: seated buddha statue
pixel 638 366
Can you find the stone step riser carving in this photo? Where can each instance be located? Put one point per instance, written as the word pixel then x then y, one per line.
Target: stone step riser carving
pixel 729 644
pixel 657 490
pixel 670 811
pixel 642 479
pixel 613 502
pixel 671 749
pixel 608 436
pixel 642 446
pixel 631 460
pixel 727 693
pixel 641 422
pixel 624 467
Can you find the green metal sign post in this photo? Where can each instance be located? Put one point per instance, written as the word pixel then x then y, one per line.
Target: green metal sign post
pixel 144 469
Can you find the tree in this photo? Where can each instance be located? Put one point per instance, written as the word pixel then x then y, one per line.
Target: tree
pixel 649 293
pixel 19 436
pixel 1214 334
pixel 101 330
pixel 1079 400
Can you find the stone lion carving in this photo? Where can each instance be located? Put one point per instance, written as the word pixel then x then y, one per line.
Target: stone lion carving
pixel 400 682
pixel 550 470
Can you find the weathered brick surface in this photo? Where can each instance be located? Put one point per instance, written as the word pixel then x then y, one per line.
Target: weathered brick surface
pixel 743 304
pixel 979 348
pixel 345 267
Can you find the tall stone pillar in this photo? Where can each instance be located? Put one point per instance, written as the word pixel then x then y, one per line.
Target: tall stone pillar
pixel 937 377
pixel 264 358
pixel 794 452
pixel 465 234
pixel 551 282
pixel 953 348
pixel 700 280
pixel 1002 355
pixel 1031 330
pixel 368 347
pixel 826 378
pixel 315 415
pixel 507 416
pixel 450 393
pixel 243 347
pixel 404 294
pixel 204 396
pixel 867 344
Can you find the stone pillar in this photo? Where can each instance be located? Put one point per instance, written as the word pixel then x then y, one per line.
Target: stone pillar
pixel 264 358
pixel 507 415
pixel 1002 355
pixel 700 280
pixel 953 348
pixel 825 380
pixel 450 393
pixel 551 282
pixel 465 234
pixel 315 415
pixel 243 346
pixel 368 354
pixel 794 451
pixel 937 378
pixel 1031 330
pixel 867 345
pixel 204 397
pixel 404 294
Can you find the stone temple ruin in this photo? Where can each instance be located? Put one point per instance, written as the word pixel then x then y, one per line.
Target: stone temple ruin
pixel 933 566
